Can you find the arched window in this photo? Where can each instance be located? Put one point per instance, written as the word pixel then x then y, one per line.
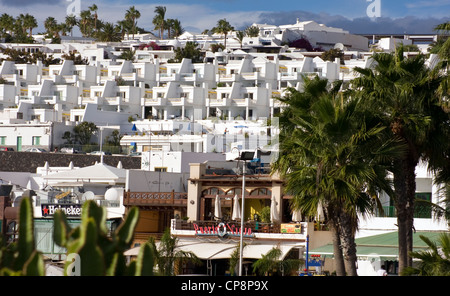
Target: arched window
pixel 234 191
pixel 261 191
pixel 213 191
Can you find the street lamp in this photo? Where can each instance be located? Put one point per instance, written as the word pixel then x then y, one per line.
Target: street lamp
pixel 244 156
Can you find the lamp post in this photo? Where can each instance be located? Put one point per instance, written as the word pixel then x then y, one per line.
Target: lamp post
pixel 243 156
pixel 101 144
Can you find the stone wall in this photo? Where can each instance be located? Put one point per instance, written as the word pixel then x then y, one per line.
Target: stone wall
pixel 11 161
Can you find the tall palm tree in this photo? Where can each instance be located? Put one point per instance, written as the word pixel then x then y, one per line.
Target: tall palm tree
pixel 94 9
pixel 51 25
pixel 29 22
pixel 402 92
pixel 85 19
pixel 133 14
pixel 71 21
pixel 177 29
pixel 159 20
pixel 6 23
pixel 331 154
pixel 223 27
pixel 124 26
pixel 109 33
pixel 240 37
pixel 167 255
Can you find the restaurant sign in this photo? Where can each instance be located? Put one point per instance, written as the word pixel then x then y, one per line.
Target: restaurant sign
pixel 71 210
pixel 222 230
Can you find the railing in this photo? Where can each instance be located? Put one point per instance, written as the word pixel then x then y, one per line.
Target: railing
pixel 156 198
pixel 254 226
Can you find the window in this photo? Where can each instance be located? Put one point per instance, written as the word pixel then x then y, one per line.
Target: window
pixel 36 141
pixel 160 169
pixel 2 140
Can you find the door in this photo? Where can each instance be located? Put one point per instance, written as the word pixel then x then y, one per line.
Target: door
pixel 19 143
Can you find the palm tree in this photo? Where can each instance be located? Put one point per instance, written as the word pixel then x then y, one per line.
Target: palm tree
pixel 133 14
pixel 252 31
pixel 51 26
pixel 167 255
pixel 29 22
pixel 159 20
pixel 177 29
pixel 271 263
pixel 6 23
pixel 331 155
pixel 85 19
pixel 433 262
pixel 71 22
pixel 94 9
pixel 402 92
pixel 124 26
pixel 240 37
pixel 109 33
pixel 223 27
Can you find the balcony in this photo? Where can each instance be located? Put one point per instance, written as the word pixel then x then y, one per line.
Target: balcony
pixel 256 229
pixel 218 102
pixel 155 199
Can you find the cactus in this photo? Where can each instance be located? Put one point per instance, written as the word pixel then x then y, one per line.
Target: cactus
pixel 21 257
pixel 98 253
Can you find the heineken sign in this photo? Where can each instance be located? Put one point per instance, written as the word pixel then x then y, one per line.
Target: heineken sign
pixel 71 210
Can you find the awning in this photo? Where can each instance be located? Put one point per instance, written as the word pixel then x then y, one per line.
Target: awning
pixel 210 251
pixel 381 247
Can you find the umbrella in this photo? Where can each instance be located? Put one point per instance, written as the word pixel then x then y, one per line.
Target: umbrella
pixel 273 210
pixel 217 208
pixel 296 216
pixel 236 208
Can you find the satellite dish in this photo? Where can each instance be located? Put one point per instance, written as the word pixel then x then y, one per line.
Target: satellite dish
pixel 111 194
pixel 88 195
pixel 339 46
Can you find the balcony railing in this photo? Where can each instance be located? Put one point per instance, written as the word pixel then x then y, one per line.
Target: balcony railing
pixel 155 198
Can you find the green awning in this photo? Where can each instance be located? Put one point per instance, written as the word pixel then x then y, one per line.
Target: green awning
pixel 379 247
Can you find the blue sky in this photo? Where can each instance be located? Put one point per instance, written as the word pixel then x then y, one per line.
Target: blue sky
pixel 399 16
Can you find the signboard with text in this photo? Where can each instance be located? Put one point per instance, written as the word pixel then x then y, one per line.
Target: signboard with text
pixel 71 210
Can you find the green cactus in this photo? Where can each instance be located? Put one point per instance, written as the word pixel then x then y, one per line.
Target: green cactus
pixel 100 254
pixel 21 257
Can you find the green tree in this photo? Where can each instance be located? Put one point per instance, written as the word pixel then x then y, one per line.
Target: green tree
pixel 71 21
pixel 271 264
pixel 6 24
pixel 84 22
pixel 223 27
pixel 252 31
pixel 240 37
pixel 51 25
pixel 176 28
pixel 433 262
pixel 168 257
pixel 159 20
pixel 189 51
pixel 109 33
pixel 84 131
pixel 128 55
pixel 403 94
pixel 29 23
pixel 332 54
pixel 331 155
pixel 132 14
